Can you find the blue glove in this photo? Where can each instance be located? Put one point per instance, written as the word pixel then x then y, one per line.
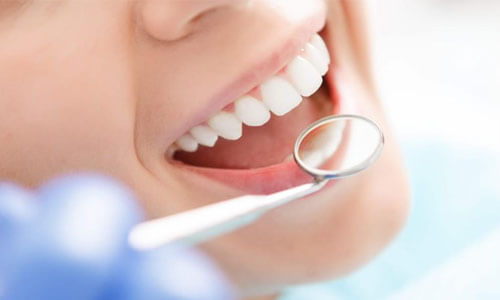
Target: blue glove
pixel 69 241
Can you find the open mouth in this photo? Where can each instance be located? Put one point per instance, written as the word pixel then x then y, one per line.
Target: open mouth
pixel 251 139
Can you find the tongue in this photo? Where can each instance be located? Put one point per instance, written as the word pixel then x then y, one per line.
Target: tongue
pixel 261 146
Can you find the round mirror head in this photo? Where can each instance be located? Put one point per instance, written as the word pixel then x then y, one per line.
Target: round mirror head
pixel 338 146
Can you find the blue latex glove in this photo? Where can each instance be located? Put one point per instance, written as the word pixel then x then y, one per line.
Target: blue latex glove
pixel 69 241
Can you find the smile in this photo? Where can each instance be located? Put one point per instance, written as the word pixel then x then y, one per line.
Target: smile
pixel 248 144
pixel 280 94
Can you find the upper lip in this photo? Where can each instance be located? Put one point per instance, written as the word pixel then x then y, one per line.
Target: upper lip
pixel 276 60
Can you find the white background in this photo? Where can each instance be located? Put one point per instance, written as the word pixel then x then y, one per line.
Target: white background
pixel 437 63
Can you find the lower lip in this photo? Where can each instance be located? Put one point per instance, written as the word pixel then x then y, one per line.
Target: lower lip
pixel 264 180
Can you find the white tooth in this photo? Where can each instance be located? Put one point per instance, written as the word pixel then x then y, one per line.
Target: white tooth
pixel 324 145
pixel 314 56
pixel 187 143
pixel 279 95
pixel 304 76
pixel 318 42
pixel 251 111
pixel 227 125
pixel 204 135
pixel 313 159
pixel 171 150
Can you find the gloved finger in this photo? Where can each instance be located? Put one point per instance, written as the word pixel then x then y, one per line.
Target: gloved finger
pixel 174 274
pixel 17 208
pixel 78 240
pixel 90 216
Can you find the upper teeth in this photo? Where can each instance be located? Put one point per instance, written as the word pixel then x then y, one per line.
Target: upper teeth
pixel 251 111
pixel 279 94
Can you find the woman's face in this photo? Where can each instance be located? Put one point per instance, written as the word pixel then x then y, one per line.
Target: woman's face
pixel 110 86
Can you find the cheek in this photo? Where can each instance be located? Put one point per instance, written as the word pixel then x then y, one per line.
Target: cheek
pixel 62 110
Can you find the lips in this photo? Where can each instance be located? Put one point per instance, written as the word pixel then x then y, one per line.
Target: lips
pixel 248 144
pixel 279 94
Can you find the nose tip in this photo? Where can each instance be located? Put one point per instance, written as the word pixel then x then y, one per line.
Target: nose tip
pixel 169 20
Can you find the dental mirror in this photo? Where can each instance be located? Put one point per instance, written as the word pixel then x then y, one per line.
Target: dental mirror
pixel 338 146
pixel 331 148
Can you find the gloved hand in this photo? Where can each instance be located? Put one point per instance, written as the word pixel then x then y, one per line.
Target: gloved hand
pixel 69 241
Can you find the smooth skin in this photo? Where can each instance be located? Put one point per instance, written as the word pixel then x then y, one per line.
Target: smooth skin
pixel 102 86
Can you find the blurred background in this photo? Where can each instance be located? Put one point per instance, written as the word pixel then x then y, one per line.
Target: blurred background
pixel 437 63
